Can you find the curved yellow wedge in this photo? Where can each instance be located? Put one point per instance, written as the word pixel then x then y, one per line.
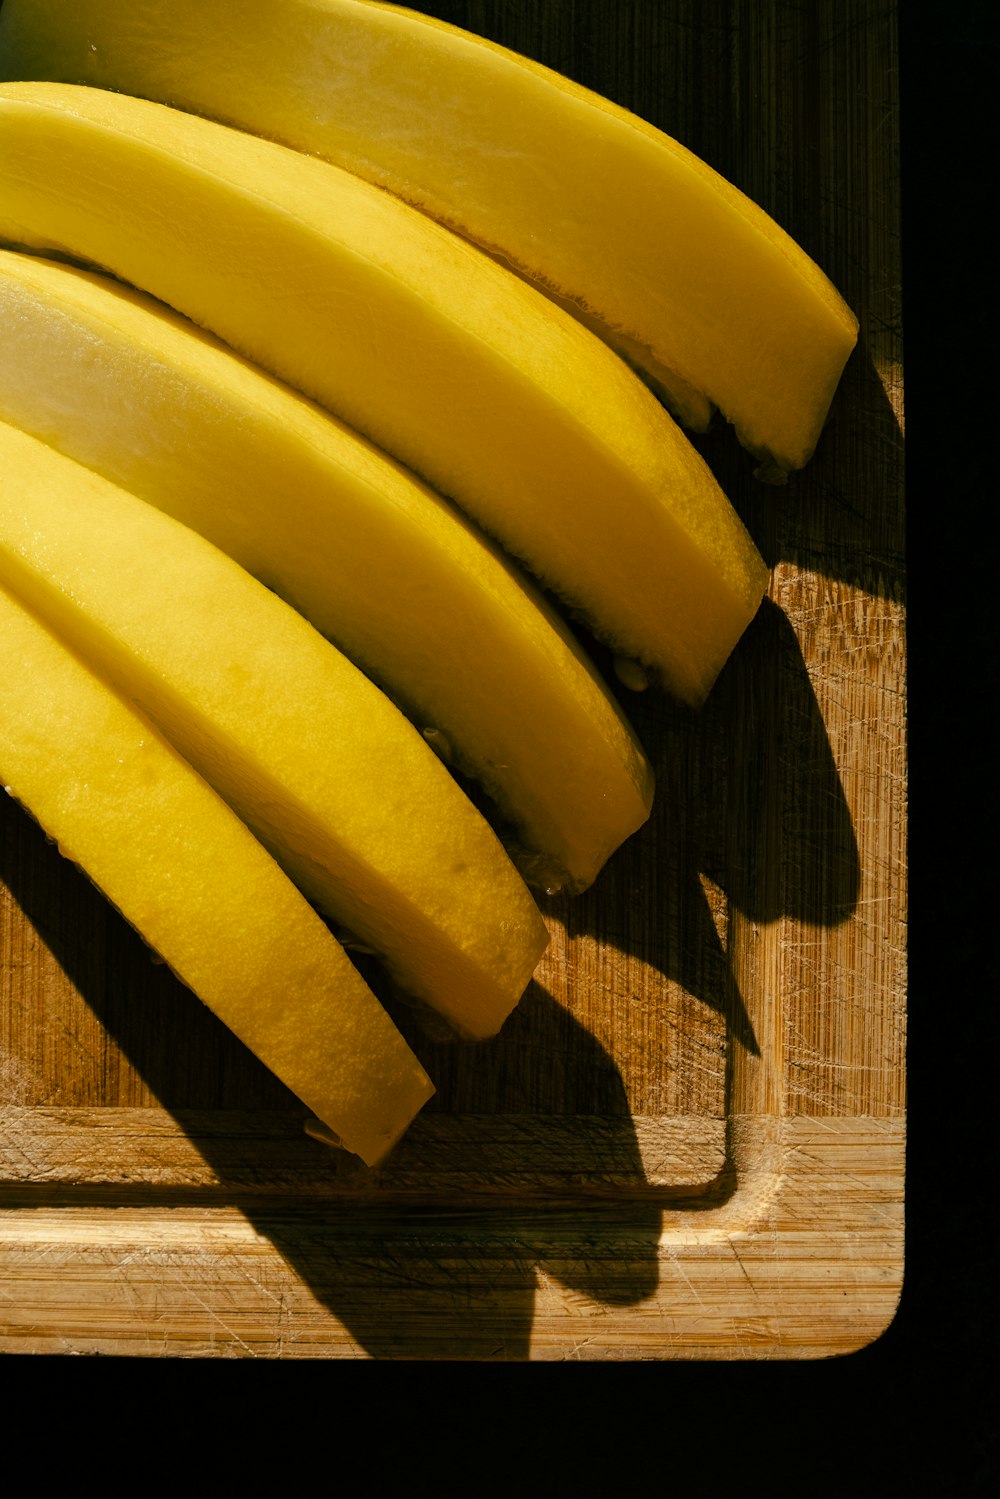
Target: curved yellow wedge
pixel 198 887
pixel 496 397
pixel 674 265
pixel 379 563
pixel 324 769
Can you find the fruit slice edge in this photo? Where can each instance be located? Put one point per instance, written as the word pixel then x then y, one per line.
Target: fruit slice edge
pixel 329 775
pixel 383 567
pixel 611 213
pixel 186 873
pixel 493 395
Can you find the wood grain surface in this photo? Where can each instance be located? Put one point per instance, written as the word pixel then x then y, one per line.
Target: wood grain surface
pixel 688 1140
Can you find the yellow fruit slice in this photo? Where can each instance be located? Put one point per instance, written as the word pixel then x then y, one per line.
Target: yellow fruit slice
pixel 380 564
pixel 323 768
pixel 183 869
pixel 464 372
pixel 673 263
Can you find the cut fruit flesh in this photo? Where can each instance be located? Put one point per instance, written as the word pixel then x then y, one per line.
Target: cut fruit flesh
pixel 456 366
pixel 380 564
pixel 321 766
pixel 572 189
pixel 198 887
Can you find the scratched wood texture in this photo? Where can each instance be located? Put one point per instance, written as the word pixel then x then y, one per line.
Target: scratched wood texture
pixel 688 1140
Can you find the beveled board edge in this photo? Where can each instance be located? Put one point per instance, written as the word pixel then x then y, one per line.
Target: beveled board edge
pixel 804 1260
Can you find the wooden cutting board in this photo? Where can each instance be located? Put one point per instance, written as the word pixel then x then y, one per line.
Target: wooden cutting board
pixel 688 1141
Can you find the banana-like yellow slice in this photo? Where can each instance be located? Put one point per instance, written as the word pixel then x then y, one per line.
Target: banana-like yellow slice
pixel 494 395
pixel 324 769
pixel 198 887
pixel 673 265
pixel 379 563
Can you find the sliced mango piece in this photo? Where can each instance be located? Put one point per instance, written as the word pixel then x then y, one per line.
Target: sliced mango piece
pixel 676 267
pixel 315 759
pixel 380 564
pixel 198 887
pixel 464 372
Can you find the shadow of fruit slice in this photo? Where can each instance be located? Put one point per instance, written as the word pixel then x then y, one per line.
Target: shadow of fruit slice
pixel 198 887
pixel 381 565
pixel 324 769
pixel 495 396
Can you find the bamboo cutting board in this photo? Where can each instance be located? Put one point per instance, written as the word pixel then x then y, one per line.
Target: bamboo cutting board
pixel 688 1140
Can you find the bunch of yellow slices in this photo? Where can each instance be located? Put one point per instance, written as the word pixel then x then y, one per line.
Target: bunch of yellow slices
pixel 330 337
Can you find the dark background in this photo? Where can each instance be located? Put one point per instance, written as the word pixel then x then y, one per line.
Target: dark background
pixel 939 1352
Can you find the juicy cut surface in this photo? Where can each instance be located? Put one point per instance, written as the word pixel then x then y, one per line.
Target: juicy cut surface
pixel 673 265
pixel 496 397
pixel 406 587
pixel 327 772
pixel 185 872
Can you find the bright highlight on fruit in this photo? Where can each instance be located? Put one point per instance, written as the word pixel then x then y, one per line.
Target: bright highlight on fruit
pixel 381 565
pixel 671 263
pixel 465 373
pixel 321 766
pixel 183 869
